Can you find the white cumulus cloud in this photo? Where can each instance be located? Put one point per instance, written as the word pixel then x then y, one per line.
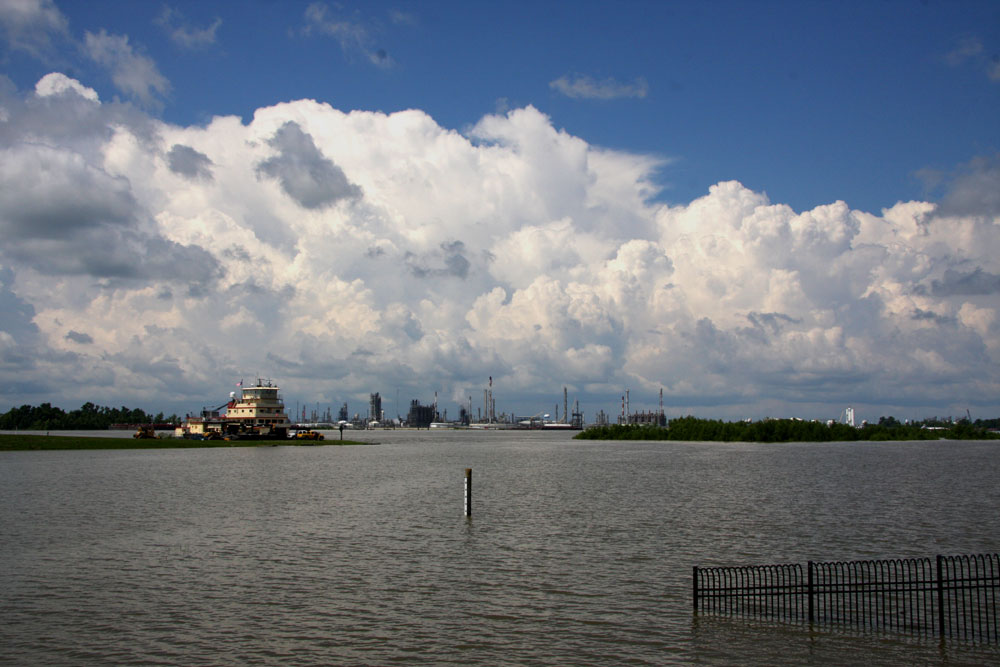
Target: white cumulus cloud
pixel 347 252
pixel 30 25
pixel 183 33
pixel 58 83
pixel 580 86
pixel 133 73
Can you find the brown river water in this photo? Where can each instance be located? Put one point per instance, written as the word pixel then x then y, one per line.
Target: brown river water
pixel 577 553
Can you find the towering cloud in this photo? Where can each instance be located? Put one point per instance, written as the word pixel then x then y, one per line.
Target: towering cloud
pixel 345 253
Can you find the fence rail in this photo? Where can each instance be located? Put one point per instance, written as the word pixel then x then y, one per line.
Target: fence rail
pixel 946 596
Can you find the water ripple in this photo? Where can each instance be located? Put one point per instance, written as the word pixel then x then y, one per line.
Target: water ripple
pixel 578 553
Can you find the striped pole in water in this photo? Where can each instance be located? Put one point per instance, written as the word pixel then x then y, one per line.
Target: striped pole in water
pixel 468 492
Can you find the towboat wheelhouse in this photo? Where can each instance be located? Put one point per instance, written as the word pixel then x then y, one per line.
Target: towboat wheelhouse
pixel 259 410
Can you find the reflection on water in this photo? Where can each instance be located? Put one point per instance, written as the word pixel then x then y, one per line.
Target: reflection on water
pixel 577 552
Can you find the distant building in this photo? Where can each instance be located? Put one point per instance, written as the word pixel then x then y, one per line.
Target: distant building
pixel 648 418
pixel 375 407
pixel 420 416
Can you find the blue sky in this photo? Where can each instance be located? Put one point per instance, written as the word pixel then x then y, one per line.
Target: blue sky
pixel 809 101
pixel 702 147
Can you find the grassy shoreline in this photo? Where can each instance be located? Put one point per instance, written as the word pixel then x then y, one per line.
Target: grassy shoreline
pixel 39 441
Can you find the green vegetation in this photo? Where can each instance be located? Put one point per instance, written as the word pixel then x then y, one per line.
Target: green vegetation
pixel 45 417
pixel 34 441
pixel 787 430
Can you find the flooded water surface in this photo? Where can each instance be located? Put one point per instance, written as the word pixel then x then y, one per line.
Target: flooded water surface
pixel 577 552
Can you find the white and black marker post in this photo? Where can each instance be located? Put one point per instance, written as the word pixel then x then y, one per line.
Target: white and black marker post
pixel 468 492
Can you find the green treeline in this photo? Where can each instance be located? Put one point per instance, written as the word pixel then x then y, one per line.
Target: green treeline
pixel 45 417
pixel 787 430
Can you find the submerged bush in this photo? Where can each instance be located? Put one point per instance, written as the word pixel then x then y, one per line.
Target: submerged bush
pixel 780 430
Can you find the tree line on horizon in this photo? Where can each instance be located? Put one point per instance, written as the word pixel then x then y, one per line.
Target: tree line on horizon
pixel 89 416
pixel 794 430
pixel 45 417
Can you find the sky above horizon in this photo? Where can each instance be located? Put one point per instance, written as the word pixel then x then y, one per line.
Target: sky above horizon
pixel 763 208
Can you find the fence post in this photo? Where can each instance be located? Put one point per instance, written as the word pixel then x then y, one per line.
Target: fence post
pixel 694 579
pixel 809 592
pixel 940 594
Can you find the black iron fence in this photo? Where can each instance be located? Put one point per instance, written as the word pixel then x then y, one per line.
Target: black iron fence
pixel 946 596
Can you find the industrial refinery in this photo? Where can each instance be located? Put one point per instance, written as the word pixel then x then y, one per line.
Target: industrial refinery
pixel 422 414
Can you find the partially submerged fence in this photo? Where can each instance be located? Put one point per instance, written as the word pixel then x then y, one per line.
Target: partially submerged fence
pixel 949 596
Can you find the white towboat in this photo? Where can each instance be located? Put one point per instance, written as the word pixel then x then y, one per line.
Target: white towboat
pixel 258 413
